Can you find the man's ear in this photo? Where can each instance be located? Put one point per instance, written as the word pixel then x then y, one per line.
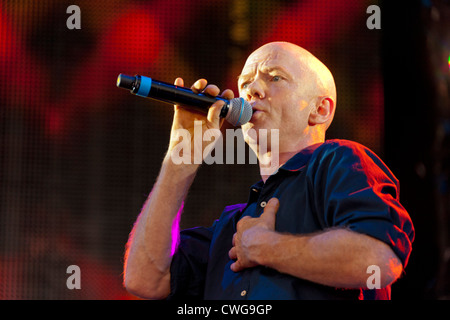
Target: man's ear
pixel 322 112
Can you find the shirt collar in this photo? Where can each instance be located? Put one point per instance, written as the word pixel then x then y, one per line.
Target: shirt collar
pixel 298 161
pixel 294 164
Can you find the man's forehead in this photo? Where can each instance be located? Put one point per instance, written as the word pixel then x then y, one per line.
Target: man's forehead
pixel 273 59
pixel 262 57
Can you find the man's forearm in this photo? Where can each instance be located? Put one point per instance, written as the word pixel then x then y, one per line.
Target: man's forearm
pixel 148 256
pixel 336 257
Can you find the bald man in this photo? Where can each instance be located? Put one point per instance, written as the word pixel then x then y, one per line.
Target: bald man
pixel 327 217
pixel 290 90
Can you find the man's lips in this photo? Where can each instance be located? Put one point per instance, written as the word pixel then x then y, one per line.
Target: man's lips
pixel 256 111
pixel 255 107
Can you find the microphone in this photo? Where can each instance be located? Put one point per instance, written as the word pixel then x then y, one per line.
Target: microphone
pixel 236 111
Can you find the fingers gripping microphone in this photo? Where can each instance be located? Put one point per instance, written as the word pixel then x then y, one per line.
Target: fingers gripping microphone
pixel 236 111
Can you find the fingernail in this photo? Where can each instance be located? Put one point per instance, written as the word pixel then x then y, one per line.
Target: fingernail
pixel 197 85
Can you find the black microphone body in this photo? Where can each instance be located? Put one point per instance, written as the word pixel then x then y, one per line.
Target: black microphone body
pixel 237 111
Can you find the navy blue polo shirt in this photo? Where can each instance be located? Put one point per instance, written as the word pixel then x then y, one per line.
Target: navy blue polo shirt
pixel 338 183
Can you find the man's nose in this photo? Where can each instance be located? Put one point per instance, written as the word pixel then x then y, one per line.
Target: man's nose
pixel 255 90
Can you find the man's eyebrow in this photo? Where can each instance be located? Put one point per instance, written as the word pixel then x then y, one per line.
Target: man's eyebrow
pixel 275 68
pixel 267 69
pixel 242 77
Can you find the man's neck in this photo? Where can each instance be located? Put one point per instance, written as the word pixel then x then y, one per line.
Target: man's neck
pixel 269 163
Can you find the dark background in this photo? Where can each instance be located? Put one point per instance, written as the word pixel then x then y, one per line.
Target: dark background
pixel 78 156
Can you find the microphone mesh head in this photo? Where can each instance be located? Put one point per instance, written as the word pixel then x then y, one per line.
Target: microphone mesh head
pixel 239 112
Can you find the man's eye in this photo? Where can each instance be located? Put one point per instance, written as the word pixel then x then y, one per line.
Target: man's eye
pixel 276 78
pixel 244 85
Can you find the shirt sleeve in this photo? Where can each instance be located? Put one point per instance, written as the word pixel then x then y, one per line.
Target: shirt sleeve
pixel 189 263
pixel 355 189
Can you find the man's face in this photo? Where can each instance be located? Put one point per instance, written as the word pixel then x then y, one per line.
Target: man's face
pixel 276 84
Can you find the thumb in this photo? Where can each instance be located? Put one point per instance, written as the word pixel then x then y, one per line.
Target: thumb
pixel 270 211
pixel 214 113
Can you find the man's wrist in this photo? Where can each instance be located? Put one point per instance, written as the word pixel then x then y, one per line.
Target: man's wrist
pixel 174 166
pixel 266 246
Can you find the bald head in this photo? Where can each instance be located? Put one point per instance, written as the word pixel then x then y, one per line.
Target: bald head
pixel 312 67
pixel 315 78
